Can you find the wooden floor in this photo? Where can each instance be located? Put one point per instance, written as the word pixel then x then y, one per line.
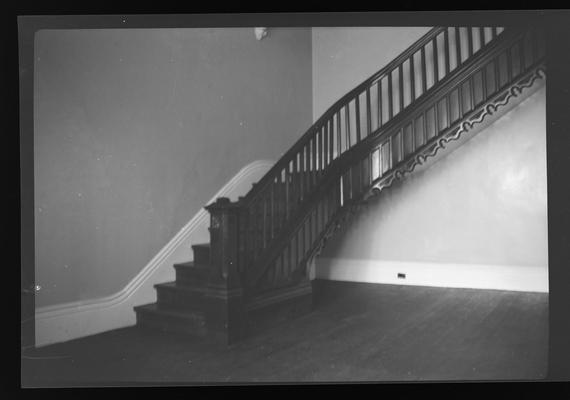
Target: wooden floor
pixel 357 332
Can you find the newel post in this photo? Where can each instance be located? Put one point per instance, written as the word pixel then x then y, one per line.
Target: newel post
pixel 224 295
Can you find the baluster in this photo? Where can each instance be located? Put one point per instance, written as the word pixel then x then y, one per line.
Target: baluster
pixel 413 133
pixel 494 32
pixel 308 185
pixel 360 177
pixel 287 192
pixel 457 46
pixel 460 101
pixel 302 175
pixel 412 80
pixel 292 185
pixel 316 145
pixel 347 122
pixel 305 168
pixel 497 80
pixel 276 205
pixel 350 184
pixel 331 139
pixel 484 83
pixel 370 178
pixel 481 37
pixel 325 133
pixel 390 157
pixel 425 132
pixel 322 137
pixel 338 135
pixel 357 118
pixel 436 118
pixel 401 151
pixel 314 162
pixel 424 71
pixel 368 112
pixel 298 179
pixel 435 61
pixel 446 51
pixel 297 171
pixel 447 100
pixel 272 219
pixel 470 41
pixel 401 86
pixel 264 232
pixel 379 87
pixel 390 109
pixel 472 93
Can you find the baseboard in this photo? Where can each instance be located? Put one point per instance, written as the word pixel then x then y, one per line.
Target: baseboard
pixel 73 320
pixel 475 276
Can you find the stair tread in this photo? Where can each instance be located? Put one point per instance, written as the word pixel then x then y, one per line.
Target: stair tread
pixel 202 245
pixel 153 308
pixel 179 286
pixel 192 265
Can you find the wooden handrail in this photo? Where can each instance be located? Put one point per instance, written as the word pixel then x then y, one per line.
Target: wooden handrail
pixel 426 38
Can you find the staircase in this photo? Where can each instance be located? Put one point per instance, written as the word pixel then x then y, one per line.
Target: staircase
pixel 438 93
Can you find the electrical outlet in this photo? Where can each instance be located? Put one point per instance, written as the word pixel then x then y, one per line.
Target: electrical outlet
pixel 401 276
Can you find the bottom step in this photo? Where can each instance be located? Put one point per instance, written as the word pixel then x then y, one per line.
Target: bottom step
pixel 150 316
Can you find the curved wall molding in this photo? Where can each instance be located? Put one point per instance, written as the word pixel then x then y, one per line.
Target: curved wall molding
pixel 61 322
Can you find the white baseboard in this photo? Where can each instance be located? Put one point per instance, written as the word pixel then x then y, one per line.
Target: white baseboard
pixel 475 276
pixel 73 320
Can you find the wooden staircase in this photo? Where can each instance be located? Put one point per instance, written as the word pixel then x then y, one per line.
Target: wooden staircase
pixel 439 92
pixel 180 305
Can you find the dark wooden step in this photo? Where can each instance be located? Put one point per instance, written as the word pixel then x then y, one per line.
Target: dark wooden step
pixel 189 322
pixel 173 296
pixel 201 253
pixel 191 273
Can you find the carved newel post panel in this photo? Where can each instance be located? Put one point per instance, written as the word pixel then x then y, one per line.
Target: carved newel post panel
pixel 224 296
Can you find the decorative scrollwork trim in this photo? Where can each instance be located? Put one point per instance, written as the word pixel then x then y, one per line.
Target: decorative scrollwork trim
pixel 454 134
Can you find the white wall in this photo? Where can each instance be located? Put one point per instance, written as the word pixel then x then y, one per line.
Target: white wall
pixel 483 205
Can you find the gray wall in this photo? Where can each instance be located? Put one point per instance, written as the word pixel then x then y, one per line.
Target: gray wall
pixel 485 203
pixel 135 130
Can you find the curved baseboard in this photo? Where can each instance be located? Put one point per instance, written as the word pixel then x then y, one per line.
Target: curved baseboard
pixel 73 320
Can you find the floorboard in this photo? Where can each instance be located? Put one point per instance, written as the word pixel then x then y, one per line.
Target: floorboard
pixel 357 332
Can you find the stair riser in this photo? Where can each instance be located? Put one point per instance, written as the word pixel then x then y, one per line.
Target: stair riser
pixel 190 278
pixel 171 324
pixel 201 255
pixel 179 301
